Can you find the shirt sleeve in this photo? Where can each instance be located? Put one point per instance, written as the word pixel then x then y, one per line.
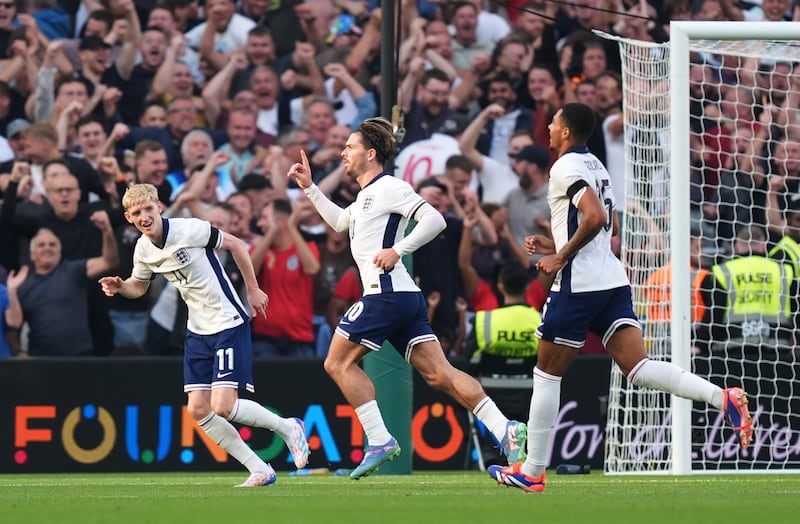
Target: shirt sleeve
pixel 140 271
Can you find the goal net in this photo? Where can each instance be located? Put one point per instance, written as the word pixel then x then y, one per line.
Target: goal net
pixel 701 188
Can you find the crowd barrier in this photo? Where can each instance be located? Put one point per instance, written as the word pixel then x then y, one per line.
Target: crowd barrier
pixel 127 414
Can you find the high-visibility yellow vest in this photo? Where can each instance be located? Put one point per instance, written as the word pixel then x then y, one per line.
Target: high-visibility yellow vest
pixel 508 331
pixel 757 287
pixel 789 246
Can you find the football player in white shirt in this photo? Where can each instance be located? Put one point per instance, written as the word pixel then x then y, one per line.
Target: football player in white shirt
pixel 392 306
pixel 218 354
pixel 591 291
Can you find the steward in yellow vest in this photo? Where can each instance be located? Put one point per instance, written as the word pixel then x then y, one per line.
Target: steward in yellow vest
pixel 502 340
pixel 504 348
pixel 787 250
pixel 753 305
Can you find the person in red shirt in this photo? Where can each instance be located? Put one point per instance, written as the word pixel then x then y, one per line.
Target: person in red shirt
pixel 285 265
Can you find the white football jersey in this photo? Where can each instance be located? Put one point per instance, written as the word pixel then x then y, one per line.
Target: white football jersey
pixel 190 263
pixel 594 267
pixel 378 219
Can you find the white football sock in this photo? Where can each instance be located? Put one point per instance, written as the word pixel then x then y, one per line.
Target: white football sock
pixel 225 435
pixel 371 420
pixel 255 415
pixel 490 415
pixel 666 376
pixel 543 413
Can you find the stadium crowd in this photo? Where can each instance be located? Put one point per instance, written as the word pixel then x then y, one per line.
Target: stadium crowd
pixel 212 103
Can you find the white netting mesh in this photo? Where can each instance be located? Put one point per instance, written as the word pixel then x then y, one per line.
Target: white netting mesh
pixel 637 436
pixel 744 132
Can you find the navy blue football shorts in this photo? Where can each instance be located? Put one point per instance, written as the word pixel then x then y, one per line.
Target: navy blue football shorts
pixel 567 317
pixel 223 360
pixel 399 317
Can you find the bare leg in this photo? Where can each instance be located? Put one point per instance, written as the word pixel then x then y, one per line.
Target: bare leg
pixel 429 360
pixel 342 366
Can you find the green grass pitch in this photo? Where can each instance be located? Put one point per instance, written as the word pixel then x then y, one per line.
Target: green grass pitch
pixel 419 498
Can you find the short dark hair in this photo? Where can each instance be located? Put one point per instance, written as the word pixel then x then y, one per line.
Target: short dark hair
pixel 147 145
pixel 283 206
pixel 514 278
pixel 436 74
pixel 612 75
pixel 261 30
pixel 73 80
pixel 501 77
pixel 377 133
pixel 554 73
pixel 57 161
pixel 100 15
pixel 89 119
pixel 154 28
pixel 459 162
pixel 580 120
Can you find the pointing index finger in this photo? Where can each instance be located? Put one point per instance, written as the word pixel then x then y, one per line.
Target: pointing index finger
pixel 304 160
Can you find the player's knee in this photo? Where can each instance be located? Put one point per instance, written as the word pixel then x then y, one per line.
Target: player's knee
pixel 222 408
pixel 198 411
pixel 332 367
pixel 635 372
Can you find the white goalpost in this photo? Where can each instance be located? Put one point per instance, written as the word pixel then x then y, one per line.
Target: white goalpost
pixel 707 116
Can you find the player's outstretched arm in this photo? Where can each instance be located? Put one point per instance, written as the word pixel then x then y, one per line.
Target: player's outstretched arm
pixel 129 288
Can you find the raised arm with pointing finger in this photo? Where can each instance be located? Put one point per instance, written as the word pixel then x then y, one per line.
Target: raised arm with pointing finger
pixel 392 307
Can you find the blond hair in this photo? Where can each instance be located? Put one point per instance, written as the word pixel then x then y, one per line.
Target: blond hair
pixel 139 194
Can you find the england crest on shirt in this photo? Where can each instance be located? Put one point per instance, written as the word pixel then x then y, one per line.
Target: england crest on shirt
pixel 181 255
pixel 368 201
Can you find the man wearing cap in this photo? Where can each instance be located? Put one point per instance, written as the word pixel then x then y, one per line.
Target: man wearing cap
pixel 528 210
pixel 94 53
pixel 99 22
pixel 93 43
pixel 336 41
pixel 14 136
